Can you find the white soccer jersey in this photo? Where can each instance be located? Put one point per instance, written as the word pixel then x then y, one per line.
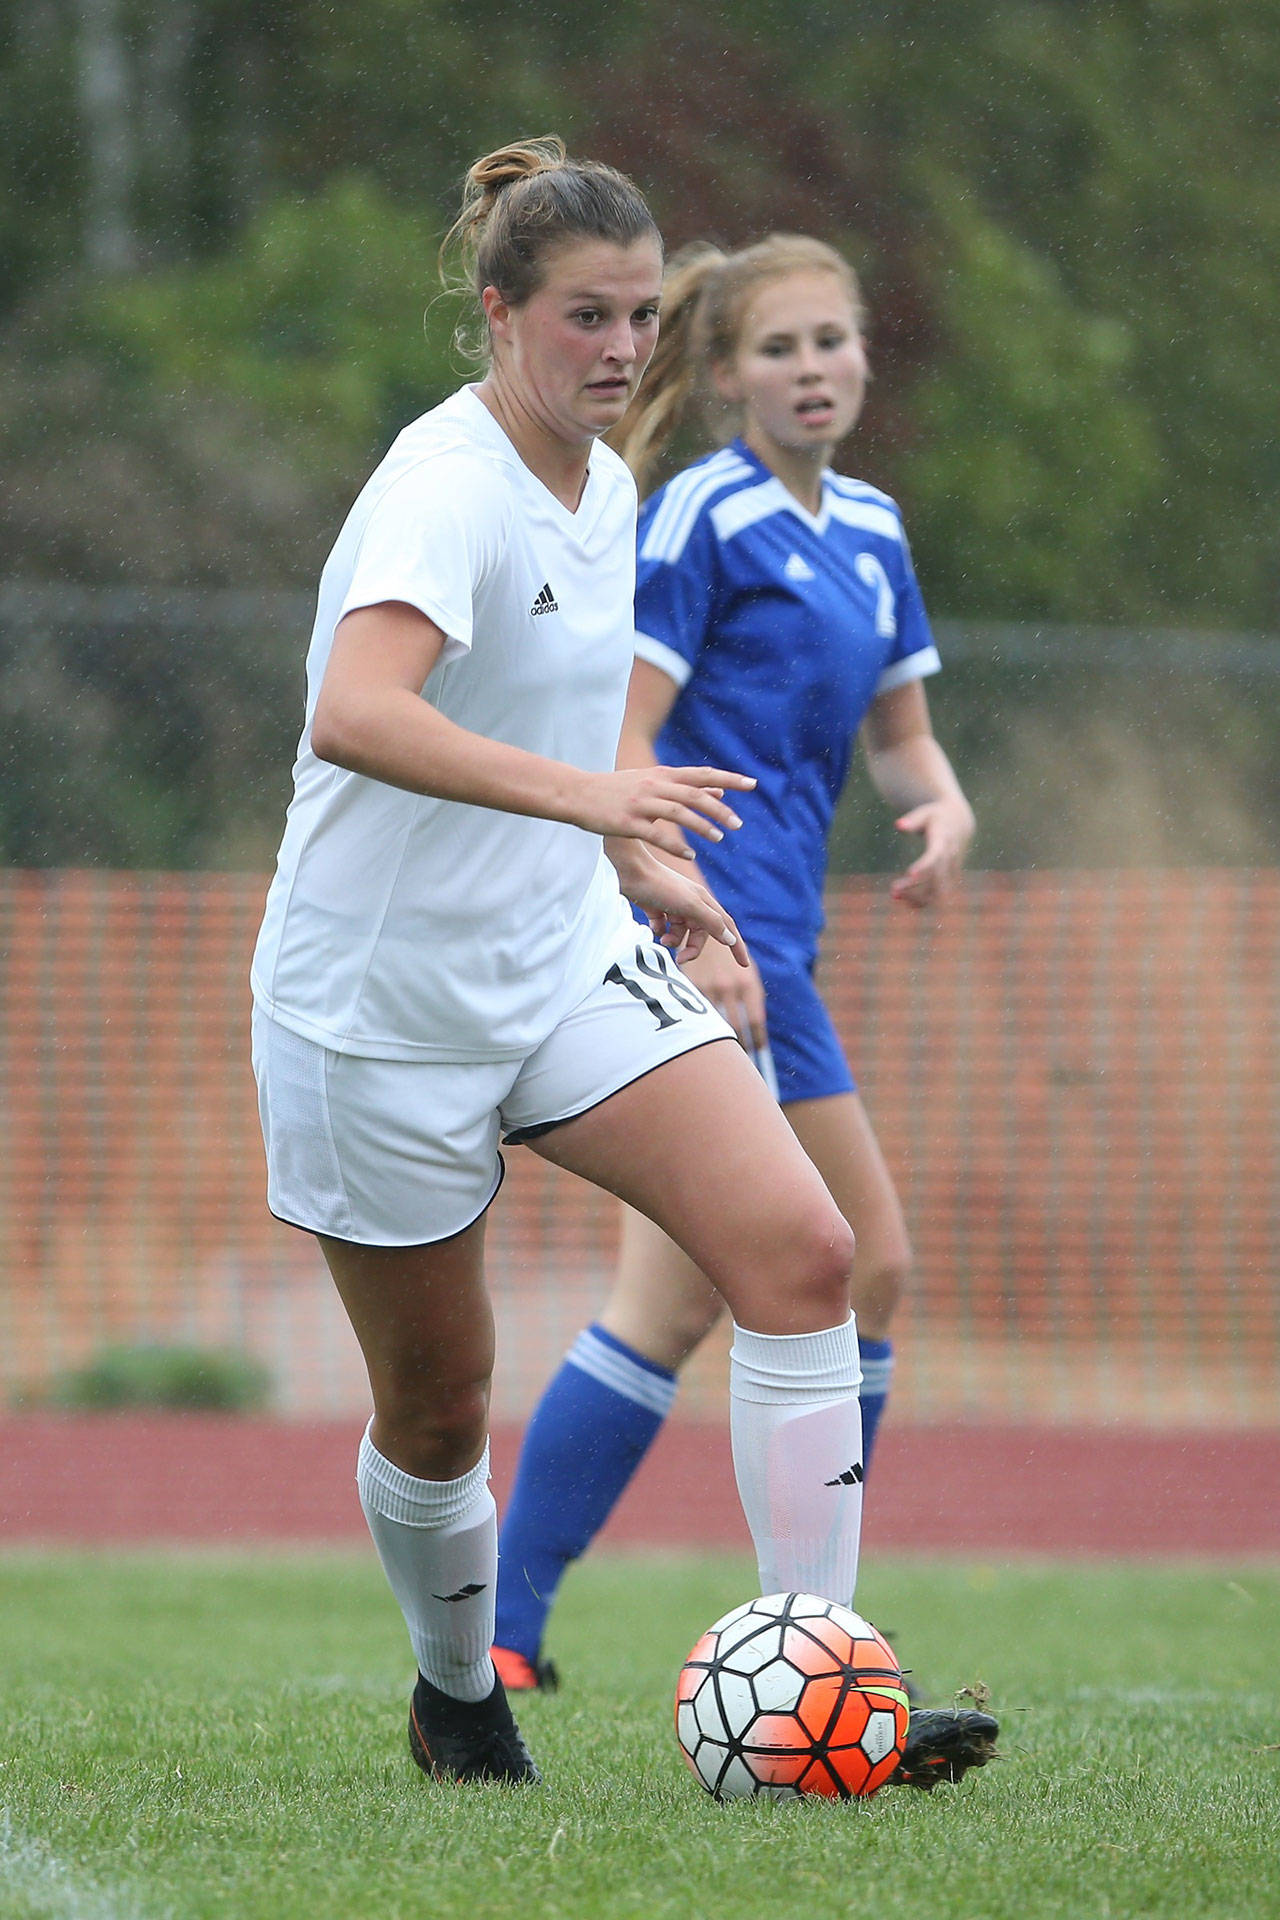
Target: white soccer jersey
pixel 400 927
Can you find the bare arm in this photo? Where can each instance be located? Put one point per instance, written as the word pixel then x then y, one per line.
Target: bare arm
pixel 371 718
pixel 909 769
pixel 650 698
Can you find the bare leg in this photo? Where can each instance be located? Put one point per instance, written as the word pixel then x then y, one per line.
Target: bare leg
pixel 602 1404
pixel 701 1148
pixel 662 1305
pixel 425 1327
pixel 838 1137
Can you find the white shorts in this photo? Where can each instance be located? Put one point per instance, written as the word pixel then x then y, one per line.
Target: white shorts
pixel 395 1153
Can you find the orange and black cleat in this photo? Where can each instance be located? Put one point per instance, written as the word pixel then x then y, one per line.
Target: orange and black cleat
pixel 942 1744
pixel 519 1675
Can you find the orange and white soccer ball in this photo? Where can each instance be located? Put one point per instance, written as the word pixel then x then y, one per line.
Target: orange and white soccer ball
pixel 791 1695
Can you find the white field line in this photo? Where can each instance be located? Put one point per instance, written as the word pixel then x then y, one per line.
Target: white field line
pixel 47 1888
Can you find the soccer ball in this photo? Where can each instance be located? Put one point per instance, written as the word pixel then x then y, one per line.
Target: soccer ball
pixel 791 1695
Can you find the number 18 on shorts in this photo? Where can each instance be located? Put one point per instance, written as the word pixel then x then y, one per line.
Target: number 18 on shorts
pixel 405 1152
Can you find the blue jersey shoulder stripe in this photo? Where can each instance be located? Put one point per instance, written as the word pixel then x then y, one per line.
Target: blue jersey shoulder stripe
pixel 682 501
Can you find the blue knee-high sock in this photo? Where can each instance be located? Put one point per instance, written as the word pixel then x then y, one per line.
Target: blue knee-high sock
pixel 589 1433
pixel 876 1357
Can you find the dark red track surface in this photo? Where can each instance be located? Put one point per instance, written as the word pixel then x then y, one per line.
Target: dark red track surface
pixel 128 1479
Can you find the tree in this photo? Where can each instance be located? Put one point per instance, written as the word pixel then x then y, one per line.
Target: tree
pixel 1086 166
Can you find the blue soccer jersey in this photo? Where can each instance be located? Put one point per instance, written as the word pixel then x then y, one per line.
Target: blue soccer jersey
pixel 780 628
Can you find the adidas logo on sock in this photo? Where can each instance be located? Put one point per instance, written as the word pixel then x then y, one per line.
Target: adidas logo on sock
pixel 468 1592
pixel 851 1477
pixel 798 569
pixel 546 601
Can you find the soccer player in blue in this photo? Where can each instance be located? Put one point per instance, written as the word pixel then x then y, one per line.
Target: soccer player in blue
pixel 777 617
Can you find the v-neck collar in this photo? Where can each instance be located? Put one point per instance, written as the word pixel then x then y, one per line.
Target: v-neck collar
pixel 818 522
pixel 579 519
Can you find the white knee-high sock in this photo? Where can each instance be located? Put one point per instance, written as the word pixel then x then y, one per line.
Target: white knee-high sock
pixel 797 1453
pixel 438 1544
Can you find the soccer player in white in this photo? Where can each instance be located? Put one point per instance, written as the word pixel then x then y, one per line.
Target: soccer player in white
pixel 447 956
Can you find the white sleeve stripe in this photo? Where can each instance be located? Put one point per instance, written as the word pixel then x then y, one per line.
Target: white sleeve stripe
pixel 916 666
pixel 672 506
pixel 675 519
pixel 665 658
pixel 738 511
pixel 690 481
pixel 859 489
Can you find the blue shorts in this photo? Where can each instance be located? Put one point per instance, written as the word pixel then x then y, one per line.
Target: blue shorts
pixel 807 1056
pixel 804 1059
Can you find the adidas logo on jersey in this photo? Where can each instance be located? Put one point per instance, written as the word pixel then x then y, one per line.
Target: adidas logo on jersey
pixel 546 601
pixel 798 569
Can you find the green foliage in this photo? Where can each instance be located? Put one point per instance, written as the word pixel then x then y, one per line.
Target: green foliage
pixel 1032 460
pixel 1070 263
pixel 1087 167
pixel 408 92
pixel 177 1378
pixel 41 185
pixel 238 1749
pixel 156 734
pixel 1067 232
pixel 325 320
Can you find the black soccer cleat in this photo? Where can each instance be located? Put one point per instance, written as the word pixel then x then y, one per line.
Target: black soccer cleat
pixel 468 1740
pixel 942 1744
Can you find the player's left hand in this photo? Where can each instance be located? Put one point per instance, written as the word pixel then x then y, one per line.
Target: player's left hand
pixel 947 825
pixel 681 912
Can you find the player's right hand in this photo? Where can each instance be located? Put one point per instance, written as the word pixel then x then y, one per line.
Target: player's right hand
pixel 735 991
pixel 681 912
pixel 655 804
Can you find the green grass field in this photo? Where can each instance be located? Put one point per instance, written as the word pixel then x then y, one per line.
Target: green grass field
pixel 191 1736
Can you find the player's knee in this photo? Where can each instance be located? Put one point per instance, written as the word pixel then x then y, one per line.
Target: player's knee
pixel 437 1435
pixel 820 1266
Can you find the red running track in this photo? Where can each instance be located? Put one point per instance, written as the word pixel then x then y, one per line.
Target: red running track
pixel 124 1479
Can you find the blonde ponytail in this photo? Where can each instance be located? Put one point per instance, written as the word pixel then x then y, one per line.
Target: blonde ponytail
pixel 672 386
